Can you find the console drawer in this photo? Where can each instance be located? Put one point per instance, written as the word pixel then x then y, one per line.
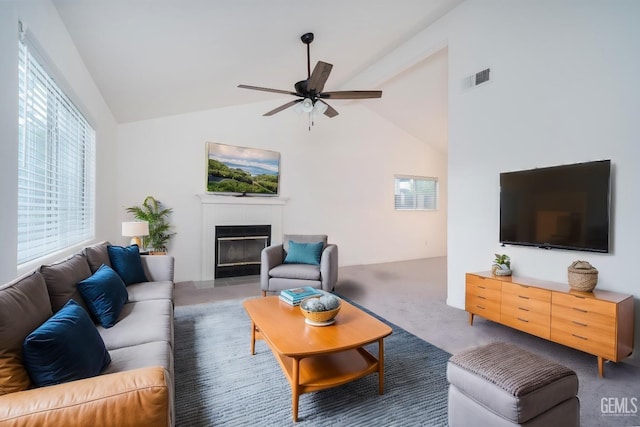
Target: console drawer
pixel 526 292
pixel 482 306
pixel 478 282
pixel 583 338
pixel 535 323
pixel 522 302
pixel 586 304
pixel 589 325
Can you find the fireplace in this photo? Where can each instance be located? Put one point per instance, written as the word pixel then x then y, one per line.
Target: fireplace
pixel 238 249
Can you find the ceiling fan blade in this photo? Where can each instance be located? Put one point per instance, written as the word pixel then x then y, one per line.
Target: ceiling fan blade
pixel 352 94
pixel 319 77
pixel 266 89
pixel 330 111
pixel 282 107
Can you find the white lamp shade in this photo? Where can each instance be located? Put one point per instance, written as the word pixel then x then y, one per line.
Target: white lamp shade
pixel 307 105
pixel 135 228
pixel 320 107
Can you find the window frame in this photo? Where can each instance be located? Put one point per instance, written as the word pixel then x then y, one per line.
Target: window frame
pixel 56 163
pixel 424 206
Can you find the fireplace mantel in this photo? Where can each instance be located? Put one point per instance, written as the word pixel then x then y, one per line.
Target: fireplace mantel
pixel 241 200
pixel 230 210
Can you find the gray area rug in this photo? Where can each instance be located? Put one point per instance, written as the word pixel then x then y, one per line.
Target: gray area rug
pixel 219 383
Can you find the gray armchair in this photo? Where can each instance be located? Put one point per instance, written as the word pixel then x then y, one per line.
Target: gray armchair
pixel 275 275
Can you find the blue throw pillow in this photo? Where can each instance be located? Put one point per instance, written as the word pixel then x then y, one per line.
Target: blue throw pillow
pixel 66 347
pixel 126 262
pixel 105 294
pixel 304 253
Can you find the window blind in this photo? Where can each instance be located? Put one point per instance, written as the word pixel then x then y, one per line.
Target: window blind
pixel 415 193
pixel 56 165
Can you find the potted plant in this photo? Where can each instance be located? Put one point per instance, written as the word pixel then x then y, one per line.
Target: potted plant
pixel 501 265
pixel 156 215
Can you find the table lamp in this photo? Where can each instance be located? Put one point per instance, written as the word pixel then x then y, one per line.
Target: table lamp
pixel 135 229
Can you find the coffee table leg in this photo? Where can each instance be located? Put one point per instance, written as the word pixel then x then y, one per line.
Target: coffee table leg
pixel 381 365
pixel 295 393
pixel 253 338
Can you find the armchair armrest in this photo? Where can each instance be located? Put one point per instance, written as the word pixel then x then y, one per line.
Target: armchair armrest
pixel 329 267
pixel 158 268
pixel 140 397
pixel 269 257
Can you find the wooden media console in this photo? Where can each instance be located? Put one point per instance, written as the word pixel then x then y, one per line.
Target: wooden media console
pixel 598 322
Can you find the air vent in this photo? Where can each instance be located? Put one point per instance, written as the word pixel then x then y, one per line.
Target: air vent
pixel 479 78
pixel 483 76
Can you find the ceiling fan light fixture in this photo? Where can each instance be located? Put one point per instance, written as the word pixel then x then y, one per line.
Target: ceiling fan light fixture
pixel 320 107
pixel 307 105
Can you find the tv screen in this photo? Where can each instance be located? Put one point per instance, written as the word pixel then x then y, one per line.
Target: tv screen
pixel 564 207
pixel 242 171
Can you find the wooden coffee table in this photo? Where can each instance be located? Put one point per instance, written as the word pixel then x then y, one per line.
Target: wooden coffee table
pixel 318 357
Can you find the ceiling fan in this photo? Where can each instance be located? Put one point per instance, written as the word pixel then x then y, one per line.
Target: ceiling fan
pixel 310 91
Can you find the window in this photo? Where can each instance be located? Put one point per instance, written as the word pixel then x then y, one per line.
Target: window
pixel 56 163
pixel 415 193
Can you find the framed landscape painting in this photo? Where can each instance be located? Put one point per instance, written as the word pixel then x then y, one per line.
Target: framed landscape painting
pixel 242 171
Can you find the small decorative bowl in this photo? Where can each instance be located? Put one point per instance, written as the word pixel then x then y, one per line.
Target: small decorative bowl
pixel 325 316
pixel 500 272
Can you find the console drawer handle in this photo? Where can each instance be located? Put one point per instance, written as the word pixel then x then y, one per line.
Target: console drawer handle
pixel 523 320
pixel 578 336
pixel 523 309
pixel 480 307
pixel 481 297
pixel 523 297
pixel 579 324
pixel 580 310
pixel 481 287
pixel 578 296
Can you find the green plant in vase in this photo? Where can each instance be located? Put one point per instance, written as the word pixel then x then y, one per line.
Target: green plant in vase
pixel 501 265
pixel 156 215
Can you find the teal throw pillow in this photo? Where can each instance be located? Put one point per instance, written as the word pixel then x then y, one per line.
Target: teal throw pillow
pixel 304 253
pixel 66 347
pixel 105 294
pixel 127 263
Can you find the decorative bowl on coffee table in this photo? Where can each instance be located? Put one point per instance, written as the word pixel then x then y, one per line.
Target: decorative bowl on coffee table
pixel 320 310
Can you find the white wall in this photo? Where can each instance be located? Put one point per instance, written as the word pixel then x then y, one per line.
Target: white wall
pixel 338 178
pixel 566 90
pixel 63 61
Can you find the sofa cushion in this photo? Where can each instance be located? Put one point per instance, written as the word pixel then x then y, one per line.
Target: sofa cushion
pixel 64 348
pixel 24 305
pixel 304 253
pixel 296 271
pixel 62 278
pixel 105 294
pixel 156 353
pixel 141 322
pixel 126 262
pixel 146 291
pixel 97 255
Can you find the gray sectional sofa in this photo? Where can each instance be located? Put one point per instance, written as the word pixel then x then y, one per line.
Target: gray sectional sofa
pixel 136 387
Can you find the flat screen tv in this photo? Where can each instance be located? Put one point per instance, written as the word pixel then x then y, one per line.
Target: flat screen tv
pixel 563 207
pixel 242 171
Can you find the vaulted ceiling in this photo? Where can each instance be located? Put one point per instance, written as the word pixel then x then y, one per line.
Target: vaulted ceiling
pixel 152 58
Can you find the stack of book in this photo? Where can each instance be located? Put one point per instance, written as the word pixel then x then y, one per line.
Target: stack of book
pixel 294 296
